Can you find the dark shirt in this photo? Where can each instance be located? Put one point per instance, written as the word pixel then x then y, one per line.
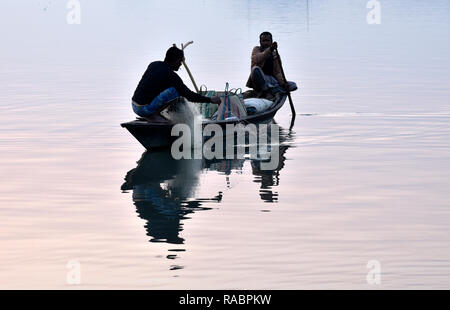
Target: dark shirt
pixel 157 78
pixel 268 65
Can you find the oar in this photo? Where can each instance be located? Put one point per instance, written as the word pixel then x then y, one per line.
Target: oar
pixel 284 77
pixel 183 46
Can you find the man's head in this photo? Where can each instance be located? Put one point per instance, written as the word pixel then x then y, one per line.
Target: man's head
pixel 265 39
pixel 174 57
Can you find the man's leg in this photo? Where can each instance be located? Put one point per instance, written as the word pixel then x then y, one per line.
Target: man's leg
pixel 259 79
pixel 267 86
pixel 292 86
pixel 164 99
pixel 273 85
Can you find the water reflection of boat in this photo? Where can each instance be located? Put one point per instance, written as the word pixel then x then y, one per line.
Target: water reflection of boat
pixel 165 190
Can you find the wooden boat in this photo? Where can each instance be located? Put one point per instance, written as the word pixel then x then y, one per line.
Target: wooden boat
pixel 157 135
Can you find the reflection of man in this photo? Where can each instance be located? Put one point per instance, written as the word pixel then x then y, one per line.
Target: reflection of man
pixel 160 85
pixel 270 178
pixel 266 77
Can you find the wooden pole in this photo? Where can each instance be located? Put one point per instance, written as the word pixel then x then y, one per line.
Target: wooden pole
pixel 183 46
pixel 284 77
pixel 190 75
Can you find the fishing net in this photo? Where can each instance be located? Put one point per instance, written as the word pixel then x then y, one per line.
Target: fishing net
pixel 231 106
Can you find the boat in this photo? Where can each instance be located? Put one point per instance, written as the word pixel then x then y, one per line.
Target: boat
pixel 157 135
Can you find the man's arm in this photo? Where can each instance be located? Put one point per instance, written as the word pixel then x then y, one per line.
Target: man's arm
pixel 258 57
pixel 185 92
pixel 277 71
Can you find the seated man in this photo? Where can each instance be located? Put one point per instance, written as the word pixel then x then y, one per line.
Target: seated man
pixel 160 85
pixel 266 77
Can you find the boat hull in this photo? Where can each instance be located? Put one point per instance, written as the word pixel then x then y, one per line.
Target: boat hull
pixel 158 135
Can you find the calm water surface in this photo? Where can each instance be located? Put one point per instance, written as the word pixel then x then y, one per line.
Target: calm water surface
pixel 363 175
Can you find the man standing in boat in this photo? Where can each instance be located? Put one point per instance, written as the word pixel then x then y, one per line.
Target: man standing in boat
pixel 266 77
pixel 160 85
